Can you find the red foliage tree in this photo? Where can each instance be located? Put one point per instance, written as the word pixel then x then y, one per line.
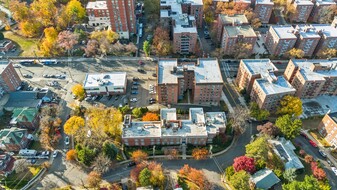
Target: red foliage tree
pixel 317 172
pixel 244 163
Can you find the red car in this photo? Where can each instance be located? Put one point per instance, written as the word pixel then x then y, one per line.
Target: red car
pixel 312 143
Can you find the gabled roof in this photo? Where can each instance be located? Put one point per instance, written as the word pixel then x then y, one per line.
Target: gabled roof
pixel 12 135
pixel 265 179
pixel 24 114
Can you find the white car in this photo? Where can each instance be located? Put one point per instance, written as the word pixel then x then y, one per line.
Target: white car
pixel 334 170
pixel 45 153
pixel 66 141
pixel 87 98
pixel 17 66
pixel 133 100
pixel 55 154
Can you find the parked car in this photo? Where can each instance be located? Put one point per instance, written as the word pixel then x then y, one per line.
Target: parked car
pixel 141 70
pixel 134 88
pixel 55 154
pixel 152 101
pixel 130 164
pixel 135 78
pixel 17 66
pixel 154 74
pixel 66 140
pixel 329 162
pixel 27 76
pixel 45 153
pixel 312 143
pixel 87 98
pixel 322 153
pixel 334 170
pixel 134 92
pixel 116 98
pixel 133 100
pixel 46 76
pixel 135 83
pixel 94 98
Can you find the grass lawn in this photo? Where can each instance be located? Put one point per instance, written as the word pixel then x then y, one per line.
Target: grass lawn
pixel 319 138
pixel 27 45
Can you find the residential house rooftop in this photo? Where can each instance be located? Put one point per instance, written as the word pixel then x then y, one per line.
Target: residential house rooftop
pixel 265 179
pixel 244 30
pixel 97 5
pixel 12 134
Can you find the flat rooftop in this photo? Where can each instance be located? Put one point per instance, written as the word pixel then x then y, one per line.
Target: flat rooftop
pixel 97 5
pixel 326 29
pixel 165 74
pixel 105 79
pixel 214 121
pixel 308 74
pixel 259 66
pixel 325 2
pixel 143 129
pixel 168 113
pixel 284 32
pixel 208 71
pixel 264 2
pixel 307 31
pixel 304 2
pixel 245 30
pixel 243 1
pixel 278 86
pixel 236 18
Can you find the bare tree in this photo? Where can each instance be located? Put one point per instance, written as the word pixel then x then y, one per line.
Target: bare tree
pixel 20 165
pixel 102 164
pixel 238 119
pixel 91 48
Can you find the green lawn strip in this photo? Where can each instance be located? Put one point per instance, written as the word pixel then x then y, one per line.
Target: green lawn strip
pixel 27 45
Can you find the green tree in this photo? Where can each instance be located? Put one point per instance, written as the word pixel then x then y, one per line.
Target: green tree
pixel 257 113
pixel 139 112
pixel 2 36
pixel 86 156
pixel 147 48
pixel 309 183
pixel 152 10
pixel 240 180
pixel 288 126
pixel 258 149
pixel 290 174
pixel 75 11
pixel 144 177
pixel 290 105
pixel 229 172
pixel 124 109
pixel 109 150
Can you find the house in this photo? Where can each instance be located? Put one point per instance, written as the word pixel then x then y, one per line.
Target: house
pixel 25 118
pixel 14 139
pixel 22 99
pixel 265 179
pixel 285 150
pixel 6 164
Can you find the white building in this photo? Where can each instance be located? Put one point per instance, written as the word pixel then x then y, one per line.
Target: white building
pixel 98 13
pixel 105 83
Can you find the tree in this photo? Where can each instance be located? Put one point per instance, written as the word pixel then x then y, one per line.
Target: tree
pixel 144 177
pixel 152 10
pixel 86 155
pixel 309 183
pixel 109 150
pixel 242 50
pixel 229 172
pixel 240 180
pixel 71 155
pixel 48 44
pixel 157 174
pixel 2 36
pixel 326 14
pixel 244 163
pixel 199 153
pixel 238 119
pixel 44 11
pixel 19 10
pixel 30 28
pixel 288 126
pixel 295 53
pixel 138 112
pixel 75 11
pixel 105 35
pixel 147 48
pixel 290 105
pixel 124 109
pixel 317 172
pixel 20 165
pixel 91 48
pixel 102 164
pixel 66 40
pixel 258 149
pixel 161 41
pixel 257 113
pixel 94 179
pixel 149 116
pixel 327 53
pixel 78 91
pixel 290 174
pixel 73 124
pixel 268 129
pixel 308 159
pixel 139 156
pixel 171 153
pixel 196 177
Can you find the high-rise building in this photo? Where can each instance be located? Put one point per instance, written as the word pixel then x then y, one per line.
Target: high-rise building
pixel 280 39
pixel 9 78
pixel 119 15
pixel 318 5
pixel 202 80
pixel 303 9
pixel 307 39
pixel 328 128
pixel 263 9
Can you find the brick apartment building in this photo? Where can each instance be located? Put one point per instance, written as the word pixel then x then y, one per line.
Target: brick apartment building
pixel 312 78
pixel 318 5
pixel 303 10
pixel 185 17
pixel 328 128
pixel 9 79
pixel 119 15
pixel 280 39
pixel 232 30
pixel 307 39
pixel 263 9
pixel 202 80
pixel 199 129
pixel 328 35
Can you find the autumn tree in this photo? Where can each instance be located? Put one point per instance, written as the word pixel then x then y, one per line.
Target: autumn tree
pixel 200 153
pixel 208 11
pixel 157 174
pixel 295 53
pixel 104 35
pixel 66 40
pixel 78 91
pixel 73 124
pixel 242 50
pixel 238 119
pixel 308 159
pixel 196 178
pixel 268 129
pixel 147 48
pixel 317 172
pixel 257 113
pixel 149 116
pixel 290 174
pixel 139 156
pixel 326 14
pixel 327 53
pixel 288 126
pixel 290 105
pixel 30 28
pixel 71 155
pixel 44 11
pixel 75 11
pixel 171 153
pixel 91 48
pixel 144 177
pixel 244 163
pixel 48 44
pixel 240 180
pixel 102 164
pixel 161 41
pixel 19 10
pixel 258 148
pixel 94 179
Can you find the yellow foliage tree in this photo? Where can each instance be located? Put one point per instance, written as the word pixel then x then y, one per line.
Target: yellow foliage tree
pixel 7 27
pixel 73 124
pixel 290 105
pixel 44 11
pixel 78 91
pixel 199 153
pixel 327 53
pixel 19 10
pixel 75 11
pixel 139 156
pixel 108 35
pixel 48 45
pixel 30 28
pixel 71 155
pixel 150 117
pixel 295 53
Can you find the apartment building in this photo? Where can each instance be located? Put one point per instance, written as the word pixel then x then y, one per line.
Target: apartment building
pixel 318 5
pixel 263 9
pixel 307 39
pixel 119 15
pixel 328 35
pixel 229 20
pixel 202 80
pixel 185 17
pixel 312 78
pixel 105 83
pixel 280 39
pixel 251 69
pixel 328 128
pixel 9 78
pixel 199 129
pixel 303 10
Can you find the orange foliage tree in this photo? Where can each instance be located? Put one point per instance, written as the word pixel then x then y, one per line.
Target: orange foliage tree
pixel 149 116
pixel 71 155
pixel 139 156
pixel 195 176
pixel 200 153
